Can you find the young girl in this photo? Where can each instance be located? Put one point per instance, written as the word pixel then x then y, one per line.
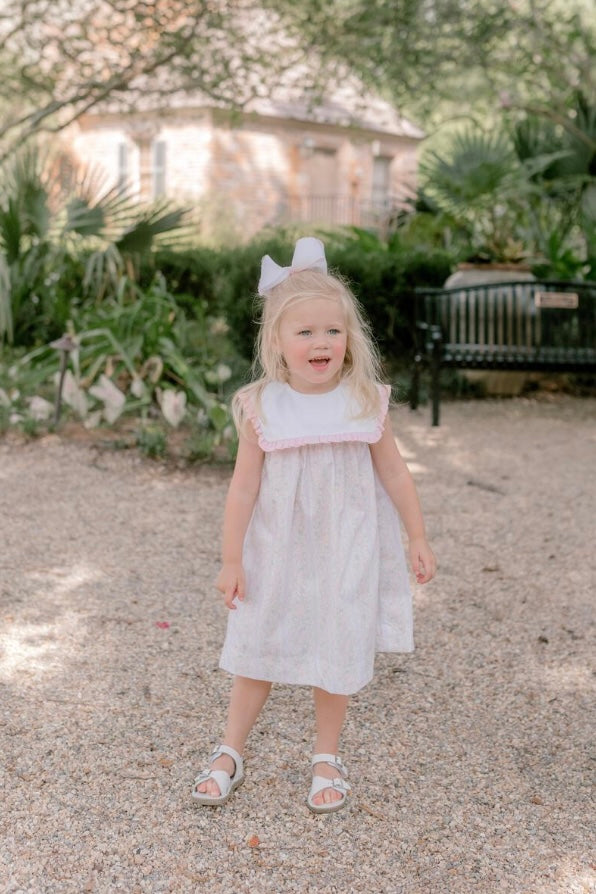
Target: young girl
pixel 313 566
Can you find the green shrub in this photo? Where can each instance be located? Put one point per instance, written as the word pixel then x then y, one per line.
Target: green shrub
pixel 57 244
pixel 190 274
pixel 242 266
pixel 152 442
pixel 134 356
pixel 382 275
pixel 174 345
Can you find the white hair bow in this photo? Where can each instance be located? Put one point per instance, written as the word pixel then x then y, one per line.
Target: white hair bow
pixel 309 254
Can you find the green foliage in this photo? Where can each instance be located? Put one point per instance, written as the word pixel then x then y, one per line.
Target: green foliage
pixel 381 273
pixel 148 342
pixel 519 196
pixel 173 360
pixel 558 260
pixel 573 149
pixel 561 218
pixel 438 62
pixel 30 427
pixel 55 68
pixel 479 182
pixel 198 447
pixel 60 244
pixel 191 274
pixel 476 167
pixel 152 441
pixel 139 356
pixel 239 298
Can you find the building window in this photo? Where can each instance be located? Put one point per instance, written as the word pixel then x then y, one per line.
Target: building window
pixel 122 179
pixel 381 180
pixel 159 168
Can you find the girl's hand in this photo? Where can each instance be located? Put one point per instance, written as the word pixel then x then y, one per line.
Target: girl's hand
pixel 230 582
pixel 424 564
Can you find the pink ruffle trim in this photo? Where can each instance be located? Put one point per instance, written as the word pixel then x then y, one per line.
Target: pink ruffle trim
pixel 369 437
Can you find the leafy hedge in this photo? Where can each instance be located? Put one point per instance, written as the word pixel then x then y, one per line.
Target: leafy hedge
pixel 172 344
pixel 382 275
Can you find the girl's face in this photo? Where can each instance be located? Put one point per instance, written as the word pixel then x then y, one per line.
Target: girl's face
pixel 312 338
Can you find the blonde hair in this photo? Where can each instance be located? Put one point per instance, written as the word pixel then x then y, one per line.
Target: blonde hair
pixel 362 367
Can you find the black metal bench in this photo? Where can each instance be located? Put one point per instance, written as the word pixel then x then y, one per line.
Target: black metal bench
pixel 529 325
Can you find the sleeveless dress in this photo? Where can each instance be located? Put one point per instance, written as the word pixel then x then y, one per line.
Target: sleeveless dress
pixel 326 578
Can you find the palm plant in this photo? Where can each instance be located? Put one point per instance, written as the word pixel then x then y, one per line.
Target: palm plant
pixel 50 231
pixel 563 211
pixel 528 194
pixel 478 182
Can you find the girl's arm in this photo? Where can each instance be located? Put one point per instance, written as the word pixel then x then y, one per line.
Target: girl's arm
pixel 240 502
pixel 399 484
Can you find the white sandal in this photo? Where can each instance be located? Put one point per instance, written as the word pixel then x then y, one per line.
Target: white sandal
pixel 338 784
pixel 226 783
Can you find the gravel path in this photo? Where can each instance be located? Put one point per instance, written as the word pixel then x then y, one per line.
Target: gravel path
pixel 469 758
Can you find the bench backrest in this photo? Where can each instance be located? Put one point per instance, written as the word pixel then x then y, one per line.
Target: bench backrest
pixel 526 316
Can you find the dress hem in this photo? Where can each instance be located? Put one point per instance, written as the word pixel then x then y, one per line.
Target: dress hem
pixel 298 682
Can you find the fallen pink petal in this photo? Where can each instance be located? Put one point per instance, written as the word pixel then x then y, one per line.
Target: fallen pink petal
pixel 163 625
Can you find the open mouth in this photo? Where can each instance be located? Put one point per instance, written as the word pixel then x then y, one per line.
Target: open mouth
pixel 319 362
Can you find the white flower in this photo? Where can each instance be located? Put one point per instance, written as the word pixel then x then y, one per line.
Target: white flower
pixel 93 419
pixel 219 326
pixel 112 398
pixel 152 369
pixel 223 372
pixel 137 387
pixel 173 406
pixel 73 396
pixel 15 418
pixel 40 409
pixel 4 398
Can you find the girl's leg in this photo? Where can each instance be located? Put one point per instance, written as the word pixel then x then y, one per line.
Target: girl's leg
pixel 246 701
pixel 330 713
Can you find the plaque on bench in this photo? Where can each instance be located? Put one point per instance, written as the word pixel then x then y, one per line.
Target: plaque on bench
pixel 564 300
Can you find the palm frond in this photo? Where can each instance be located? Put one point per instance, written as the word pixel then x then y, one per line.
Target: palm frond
pixel 23 182
pixel 84 219
pixel 11 231
pixel 157 221
pixel 6 320
pixel 472 170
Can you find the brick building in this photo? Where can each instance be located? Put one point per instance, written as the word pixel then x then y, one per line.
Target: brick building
pixel 349 160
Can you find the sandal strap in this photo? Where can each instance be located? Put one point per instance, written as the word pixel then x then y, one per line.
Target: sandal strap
pixel 223 779
pixel 231 752
pixel 319 783
pixel 333 760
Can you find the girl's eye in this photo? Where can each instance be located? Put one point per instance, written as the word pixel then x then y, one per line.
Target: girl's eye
pixel 304 332
pixel 334 332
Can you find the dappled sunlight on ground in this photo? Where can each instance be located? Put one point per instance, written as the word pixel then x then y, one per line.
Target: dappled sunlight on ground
pixel 409 455
pixel 569 677
pixel 31 646
pixel 571 877
pixel 43 642
pixel 64 580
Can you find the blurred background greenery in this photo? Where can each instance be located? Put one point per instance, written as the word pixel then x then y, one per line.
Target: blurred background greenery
pixel 161 315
